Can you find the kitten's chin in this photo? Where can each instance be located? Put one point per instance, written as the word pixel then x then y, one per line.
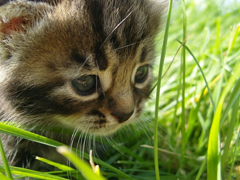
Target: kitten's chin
pixel 104 131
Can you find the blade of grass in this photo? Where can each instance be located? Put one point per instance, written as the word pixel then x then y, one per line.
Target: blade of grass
pixel 38 175
pixel 233 98
pixel 183 131
pixel 5 161
pixel 57 165
pixel 234 104
pixel 164 47
pixel 218 27
pixel 32 173
pixel 213 157
pixel 235 32
pixel 2 177
pixel 11 130
pixel 209 91
pixel 82 166
pixel 193 116
pixel 201 170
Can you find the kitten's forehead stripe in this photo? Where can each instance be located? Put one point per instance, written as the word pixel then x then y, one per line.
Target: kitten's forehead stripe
pixel 77 57
pixel 115 41
pixel 102 61
pixel 95 13
pixel 97 60
pixel 143 54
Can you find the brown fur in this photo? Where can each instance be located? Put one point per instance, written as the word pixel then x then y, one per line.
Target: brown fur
pixel 43 47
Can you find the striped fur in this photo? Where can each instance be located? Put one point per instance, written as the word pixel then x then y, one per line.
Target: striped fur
pixel 45 45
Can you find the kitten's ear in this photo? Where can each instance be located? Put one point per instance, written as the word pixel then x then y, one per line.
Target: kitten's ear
pixel 155 10
pixel 18 16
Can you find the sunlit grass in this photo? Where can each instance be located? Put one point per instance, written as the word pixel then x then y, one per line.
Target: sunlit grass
pixel 213 40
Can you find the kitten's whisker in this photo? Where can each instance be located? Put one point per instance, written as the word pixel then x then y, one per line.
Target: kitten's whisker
pixel 114 29
pixel 143 126
pixel 83 145
pixel 79 142
pixel 73 136
pixel 84 141
pixel 103 144
pixel 91 137
pixel 127 46
pixel 94 146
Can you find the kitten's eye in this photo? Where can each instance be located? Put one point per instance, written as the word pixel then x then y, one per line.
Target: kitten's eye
pixel 85 85
pixel 141 74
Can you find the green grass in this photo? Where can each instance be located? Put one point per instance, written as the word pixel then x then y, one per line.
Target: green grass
pixel 197 116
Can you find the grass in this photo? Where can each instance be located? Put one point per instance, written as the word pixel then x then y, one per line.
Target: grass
pixel 197 127
pixel 160 72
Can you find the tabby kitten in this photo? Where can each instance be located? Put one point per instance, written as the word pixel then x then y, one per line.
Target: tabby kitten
pixel 76 65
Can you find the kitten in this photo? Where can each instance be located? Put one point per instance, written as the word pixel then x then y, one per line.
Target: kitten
pixel 77 65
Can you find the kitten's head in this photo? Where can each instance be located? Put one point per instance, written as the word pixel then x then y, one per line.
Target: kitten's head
pixel 81 64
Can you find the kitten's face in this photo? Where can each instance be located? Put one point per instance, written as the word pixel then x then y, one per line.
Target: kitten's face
pixel 82 65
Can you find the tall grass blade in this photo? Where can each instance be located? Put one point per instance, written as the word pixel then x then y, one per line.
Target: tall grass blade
pixel 213 154
pixel 164 47
pixel 5 161
pixel 205 80
pixel 183 88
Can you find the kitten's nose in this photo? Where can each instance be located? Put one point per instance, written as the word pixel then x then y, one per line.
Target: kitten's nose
pixel 122 117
